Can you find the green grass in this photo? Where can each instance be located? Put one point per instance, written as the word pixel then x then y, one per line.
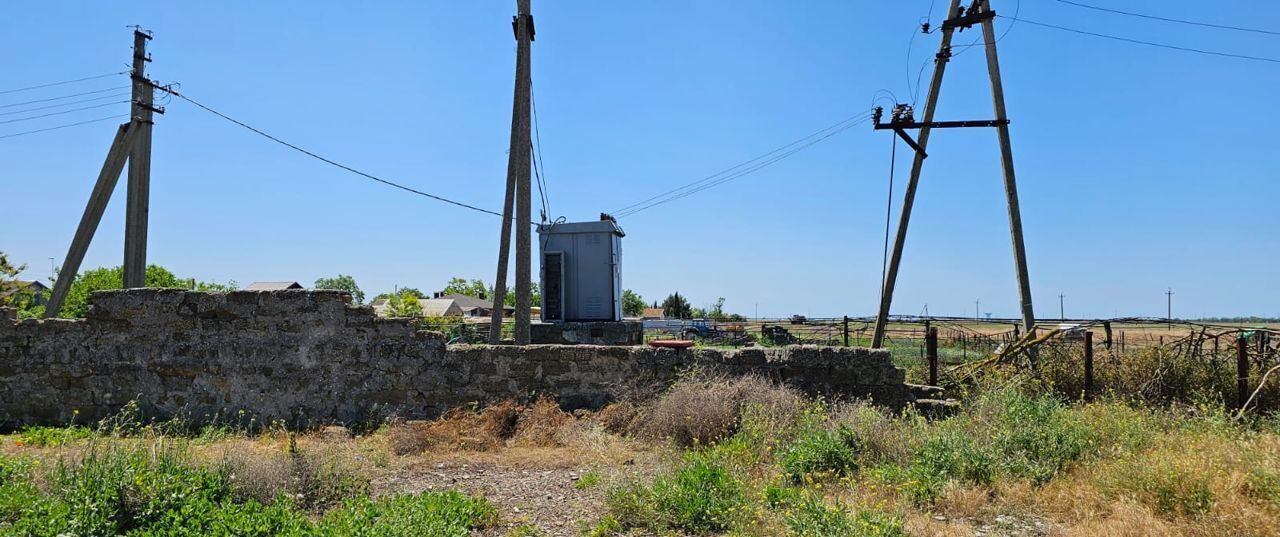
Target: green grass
pixel 157 490
pixel 821 454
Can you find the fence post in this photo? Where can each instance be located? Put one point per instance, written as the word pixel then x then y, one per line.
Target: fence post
pixel 1242 371
pixel 931 349
pixel 846 330
pixel 1088 366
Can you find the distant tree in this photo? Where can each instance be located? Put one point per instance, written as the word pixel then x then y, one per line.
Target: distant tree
pixel 215 287
pixel 104 279
pixel 19 297
pixel 342 282
pixel 535 296
pixel 403 290
pixel 460 286
pixel 404 304
pixel 632 304
pixel 697 313
pixel 717 311
pixel 676 307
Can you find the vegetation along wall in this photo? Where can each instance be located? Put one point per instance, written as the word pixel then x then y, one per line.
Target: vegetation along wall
pixel 311 356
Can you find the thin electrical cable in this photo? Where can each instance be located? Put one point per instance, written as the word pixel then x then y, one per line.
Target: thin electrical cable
pixel 1148 43
pixel 744 172
pixel 326 160
pixel 539 163
pixel 735 175
pixel 51 84
pixel 76 124
pixel 746 163
pixel 29 118
pixel 1016 11
pixel 36 101
pixel 60 105
pixel 888 213
pixel 1167 19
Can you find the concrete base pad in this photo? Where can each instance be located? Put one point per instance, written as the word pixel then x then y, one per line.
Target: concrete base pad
pixel 588 333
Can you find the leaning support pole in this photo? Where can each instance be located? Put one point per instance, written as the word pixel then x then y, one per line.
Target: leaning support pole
pixel 909 196
pixel 1010 180
pixel 107 178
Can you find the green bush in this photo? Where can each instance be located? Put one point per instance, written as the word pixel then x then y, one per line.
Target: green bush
pixel 702 496
pixel 155 491
pixel 41 436
pixel 812 517
pixel 1036 437
pixel 443 514
pixel 821 454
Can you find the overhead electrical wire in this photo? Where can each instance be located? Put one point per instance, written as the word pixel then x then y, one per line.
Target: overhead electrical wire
pixel 60 105
pixel 7 121
pixel 1148 43
pixel 326 160
pixel 744 168
pixel 539 167
pixel 76 124
pixel 51 84
pixel 1167 19
pixel 36 101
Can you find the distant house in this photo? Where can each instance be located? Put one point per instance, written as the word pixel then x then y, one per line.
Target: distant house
pixel 273 286
pixel 652 313
pixel 36 289
pixel 431 307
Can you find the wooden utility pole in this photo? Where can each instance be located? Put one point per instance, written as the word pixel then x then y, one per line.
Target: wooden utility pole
pixel 1062 309
pixel 957 18
pixel 519 190
pixel 138 201
pixel 1168 294
pixel 131 145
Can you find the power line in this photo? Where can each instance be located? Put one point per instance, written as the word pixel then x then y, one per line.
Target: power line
pixel 104 90
pixel 60 105
pixel 847 122
pixel 326 160
pixel 28 118
pixel 1148 43
pixel 51 84
pixel 1167 19
pixel 701 185
pixel 63 126
pixel 535 154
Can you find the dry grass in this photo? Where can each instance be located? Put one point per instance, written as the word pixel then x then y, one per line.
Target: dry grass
pixel 704 408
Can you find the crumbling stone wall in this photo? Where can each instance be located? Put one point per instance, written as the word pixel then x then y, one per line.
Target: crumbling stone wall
pixel 310 356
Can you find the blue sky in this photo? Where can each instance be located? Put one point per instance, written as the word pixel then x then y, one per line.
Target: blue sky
pixel 1139 168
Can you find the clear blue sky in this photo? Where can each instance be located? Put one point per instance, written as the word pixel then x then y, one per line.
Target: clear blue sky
pixel 1139 168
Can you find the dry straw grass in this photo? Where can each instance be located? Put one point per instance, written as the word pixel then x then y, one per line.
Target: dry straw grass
pixel 704 408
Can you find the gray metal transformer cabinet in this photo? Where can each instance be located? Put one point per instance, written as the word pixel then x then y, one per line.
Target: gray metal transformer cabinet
pixel 581 270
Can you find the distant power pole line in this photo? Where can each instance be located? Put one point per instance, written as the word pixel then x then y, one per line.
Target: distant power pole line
pixel 957 18
pixel 1168 294
pixel 518 190
pixel 1062 310
pixel 132 145
pixel 977 307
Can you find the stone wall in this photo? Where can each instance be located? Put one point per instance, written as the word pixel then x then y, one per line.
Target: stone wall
pixel 309 356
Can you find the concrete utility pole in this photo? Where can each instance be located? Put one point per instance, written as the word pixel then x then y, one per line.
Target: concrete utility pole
pixel 131 145
pixel 518 190
pixel 917 164
pixel 957 18
pixel 1006 159
pixel 138 202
